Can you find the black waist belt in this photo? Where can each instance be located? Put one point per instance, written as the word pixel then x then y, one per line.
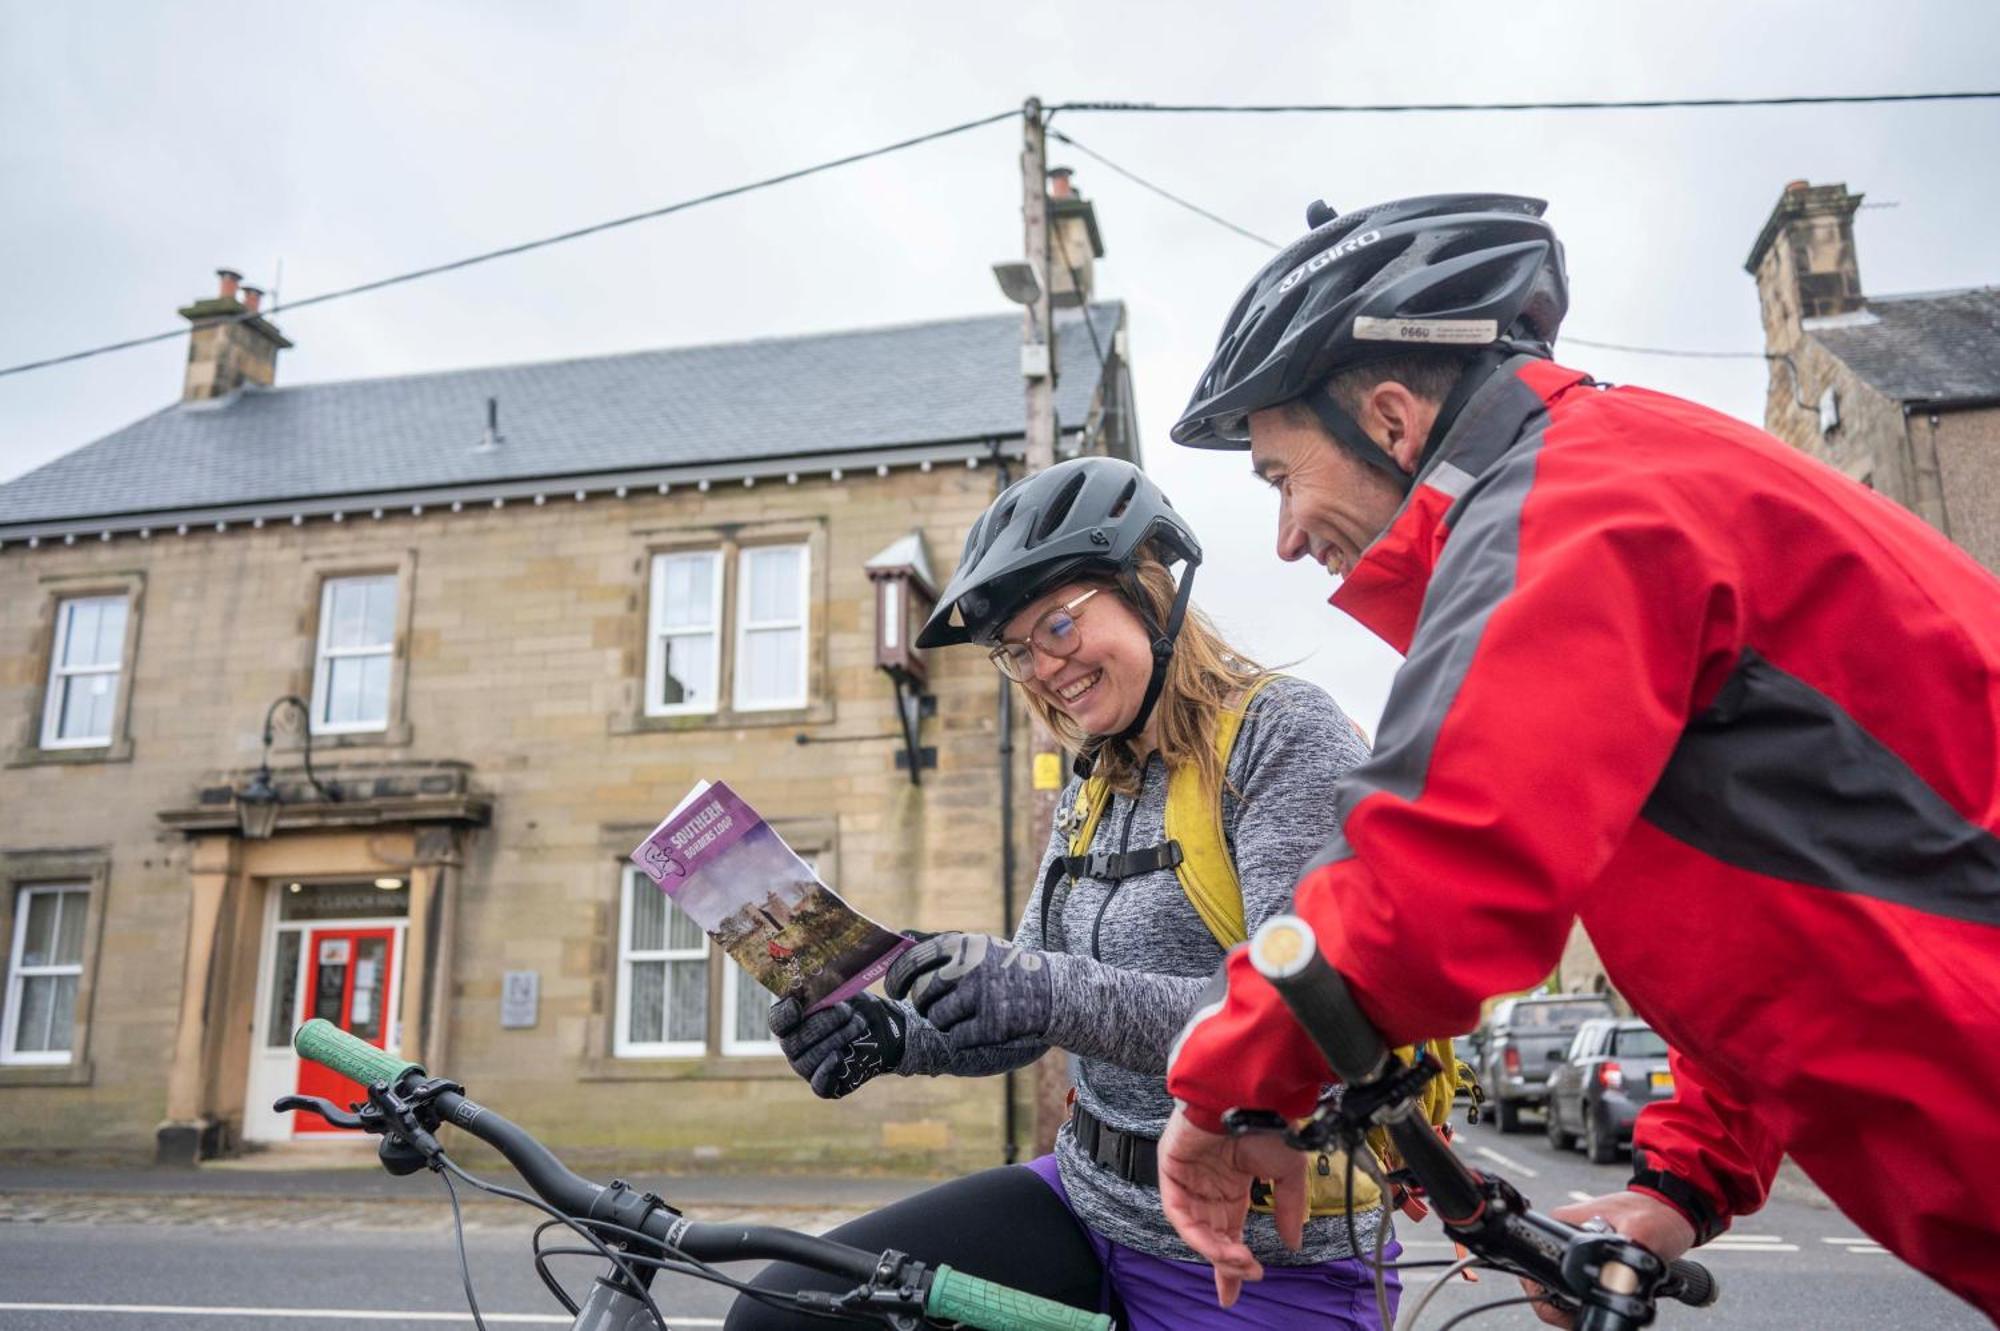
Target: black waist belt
pixel 1131 1157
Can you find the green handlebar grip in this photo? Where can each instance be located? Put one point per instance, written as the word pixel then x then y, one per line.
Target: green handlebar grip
pixel 349 1055
pixel 958 1297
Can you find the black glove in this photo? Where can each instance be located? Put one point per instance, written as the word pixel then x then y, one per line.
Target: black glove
pixel 978 991
pixel 839 1047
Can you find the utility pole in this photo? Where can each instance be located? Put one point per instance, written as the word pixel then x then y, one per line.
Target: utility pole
pixel 1050 1078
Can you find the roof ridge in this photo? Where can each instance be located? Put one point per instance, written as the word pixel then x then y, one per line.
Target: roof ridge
pixel 1934 295
pixel 910 325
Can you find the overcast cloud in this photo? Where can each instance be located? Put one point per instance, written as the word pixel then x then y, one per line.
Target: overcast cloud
pixel 142 146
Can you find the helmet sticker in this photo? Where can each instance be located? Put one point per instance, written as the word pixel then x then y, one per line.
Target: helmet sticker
pixel 1439 332
pixel 1327 256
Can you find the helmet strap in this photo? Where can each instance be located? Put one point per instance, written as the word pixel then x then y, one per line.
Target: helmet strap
pixel 1476 373
pixel 1347 432
pixel 1163 656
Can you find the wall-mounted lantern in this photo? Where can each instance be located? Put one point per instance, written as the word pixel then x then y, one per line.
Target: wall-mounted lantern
pixel 257 803
pixel 905 592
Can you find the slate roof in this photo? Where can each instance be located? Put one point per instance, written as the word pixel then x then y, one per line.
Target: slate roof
pixel 796 397
pixel 1934 346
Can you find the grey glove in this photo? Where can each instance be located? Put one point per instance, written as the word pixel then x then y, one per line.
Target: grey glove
pixel 840 1047
pixel 977 991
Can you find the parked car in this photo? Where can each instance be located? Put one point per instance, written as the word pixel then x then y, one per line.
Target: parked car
pixel 1614 1069
pixel 1522 1041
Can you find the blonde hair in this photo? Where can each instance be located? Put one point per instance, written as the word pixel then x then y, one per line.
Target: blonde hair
pixel 1205 677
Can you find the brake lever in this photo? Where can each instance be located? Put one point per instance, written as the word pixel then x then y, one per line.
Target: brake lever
pixel 326 1109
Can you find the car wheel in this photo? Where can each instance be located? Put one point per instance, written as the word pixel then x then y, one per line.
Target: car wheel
pixel 1507 1113
pixel 1559 1139
pixel 1598 1141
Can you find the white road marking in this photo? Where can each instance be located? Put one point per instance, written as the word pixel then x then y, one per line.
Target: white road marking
pixel 1734 1237
pixel 1576 1196
pixel 1505 1163
pixel 328 1314
pixel 1853 1242
pixel 1724 1245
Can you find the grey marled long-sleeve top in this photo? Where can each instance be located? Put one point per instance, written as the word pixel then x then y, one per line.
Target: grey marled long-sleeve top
pixel 1129 959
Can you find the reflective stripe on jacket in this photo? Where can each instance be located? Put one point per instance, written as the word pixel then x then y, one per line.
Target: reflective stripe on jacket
pixel 1739 715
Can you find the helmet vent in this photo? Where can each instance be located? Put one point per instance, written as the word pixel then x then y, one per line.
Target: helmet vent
pixel 1052 517
pixel 1124 501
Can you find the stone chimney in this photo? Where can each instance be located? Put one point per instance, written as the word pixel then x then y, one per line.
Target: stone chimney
pixel 230 344
pixel 1804 259
pixel 1074 242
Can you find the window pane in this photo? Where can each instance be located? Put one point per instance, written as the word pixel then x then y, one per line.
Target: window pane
pixel 683 933
pixel 687 598
pixel 110 633
pixel 688 678
pixel 774 584
pixel 62 1014
pixel 649 915
pixel 772 661
pixel 38 946
pixel 649 991
pixel 347 613
pixel 79 645
pixel 69 929
pixel 379 619
pixel 38 999
pixel 86 706
pixel 753 1006
pixel 375 688
pixel 371 988
pixel 687 1011
pixel 284 991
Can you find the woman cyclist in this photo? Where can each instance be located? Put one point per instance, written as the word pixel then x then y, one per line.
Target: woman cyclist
pixel 1066 580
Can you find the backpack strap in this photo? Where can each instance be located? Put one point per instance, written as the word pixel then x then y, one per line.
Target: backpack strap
pixel 1194 821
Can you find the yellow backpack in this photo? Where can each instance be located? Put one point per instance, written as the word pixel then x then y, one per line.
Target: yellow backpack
pixel 1208 877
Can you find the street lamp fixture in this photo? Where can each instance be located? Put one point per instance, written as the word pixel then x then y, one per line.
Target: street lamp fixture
pixel 257 803
pixel 1018 281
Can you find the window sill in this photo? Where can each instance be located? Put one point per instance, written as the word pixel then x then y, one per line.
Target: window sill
pixel 396 735
pixel 818 713
pixel 34 755
pixel 45 1074
pixel 707 1067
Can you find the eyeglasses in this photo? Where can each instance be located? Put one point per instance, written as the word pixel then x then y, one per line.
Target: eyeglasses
pixel 1054 634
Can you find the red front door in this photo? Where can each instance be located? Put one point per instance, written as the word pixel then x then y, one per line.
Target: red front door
pixel 346 982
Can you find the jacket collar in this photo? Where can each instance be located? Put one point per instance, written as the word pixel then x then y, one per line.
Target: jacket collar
pixel 1385 589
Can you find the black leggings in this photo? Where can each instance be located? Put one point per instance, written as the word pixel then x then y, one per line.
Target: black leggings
pixel 1002 1224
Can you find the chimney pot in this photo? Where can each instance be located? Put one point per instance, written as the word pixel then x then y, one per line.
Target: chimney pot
pixel 230 278
pixel 252 298
pixel 1059 186
pixel 1797 186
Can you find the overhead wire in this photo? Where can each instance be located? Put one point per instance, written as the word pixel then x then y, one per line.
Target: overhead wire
pixel 524 247
pixel 1248 234
pixel 1133 107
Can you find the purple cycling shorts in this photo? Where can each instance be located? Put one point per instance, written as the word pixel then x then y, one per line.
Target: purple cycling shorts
pixel 1160 1295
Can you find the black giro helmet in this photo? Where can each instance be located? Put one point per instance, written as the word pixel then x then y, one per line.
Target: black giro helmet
pixel 1087 515
pixel 1453 271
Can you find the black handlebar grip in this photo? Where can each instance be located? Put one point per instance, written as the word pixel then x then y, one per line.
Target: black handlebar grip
pixel 1284 952
pixel 1691 1283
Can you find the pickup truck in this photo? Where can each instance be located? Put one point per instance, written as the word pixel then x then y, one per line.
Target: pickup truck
pixel 1522 1041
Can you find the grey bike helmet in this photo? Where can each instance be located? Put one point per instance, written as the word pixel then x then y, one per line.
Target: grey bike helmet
pixel 1472 272
pixel 1089 516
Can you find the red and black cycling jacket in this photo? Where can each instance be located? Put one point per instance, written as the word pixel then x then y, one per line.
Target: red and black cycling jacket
pixel 1742 717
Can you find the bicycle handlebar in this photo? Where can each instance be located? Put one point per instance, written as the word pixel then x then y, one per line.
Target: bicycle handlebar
pixel 1285 952
pixel 951 1295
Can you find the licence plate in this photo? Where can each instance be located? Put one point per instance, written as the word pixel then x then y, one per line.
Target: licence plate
pixel 1663 1082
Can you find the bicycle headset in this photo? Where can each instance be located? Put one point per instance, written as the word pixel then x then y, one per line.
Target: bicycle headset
pixel 1089 517
pixel 1479 274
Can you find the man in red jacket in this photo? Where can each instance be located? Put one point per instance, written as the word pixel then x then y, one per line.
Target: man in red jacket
pixel 1666 675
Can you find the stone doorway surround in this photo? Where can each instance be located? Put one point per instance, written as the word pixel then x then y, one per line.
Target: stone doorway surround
pixel 409 819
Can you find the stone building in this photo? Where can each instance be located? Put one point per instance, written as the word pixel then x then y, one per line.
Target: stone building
pixel 1900 392
pixel 525 607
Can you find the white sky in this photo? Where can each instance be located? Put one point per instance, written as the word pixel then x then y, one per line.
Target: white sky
pixel 143 146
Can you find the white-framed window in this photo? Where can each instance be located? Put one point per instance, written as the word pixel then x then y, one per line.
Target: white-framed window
pixel 662 1009
pixel 772 605
pixel 357 642
pixel 84 666
pixel 684 638
pixel 746 1013
pixel 44 969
